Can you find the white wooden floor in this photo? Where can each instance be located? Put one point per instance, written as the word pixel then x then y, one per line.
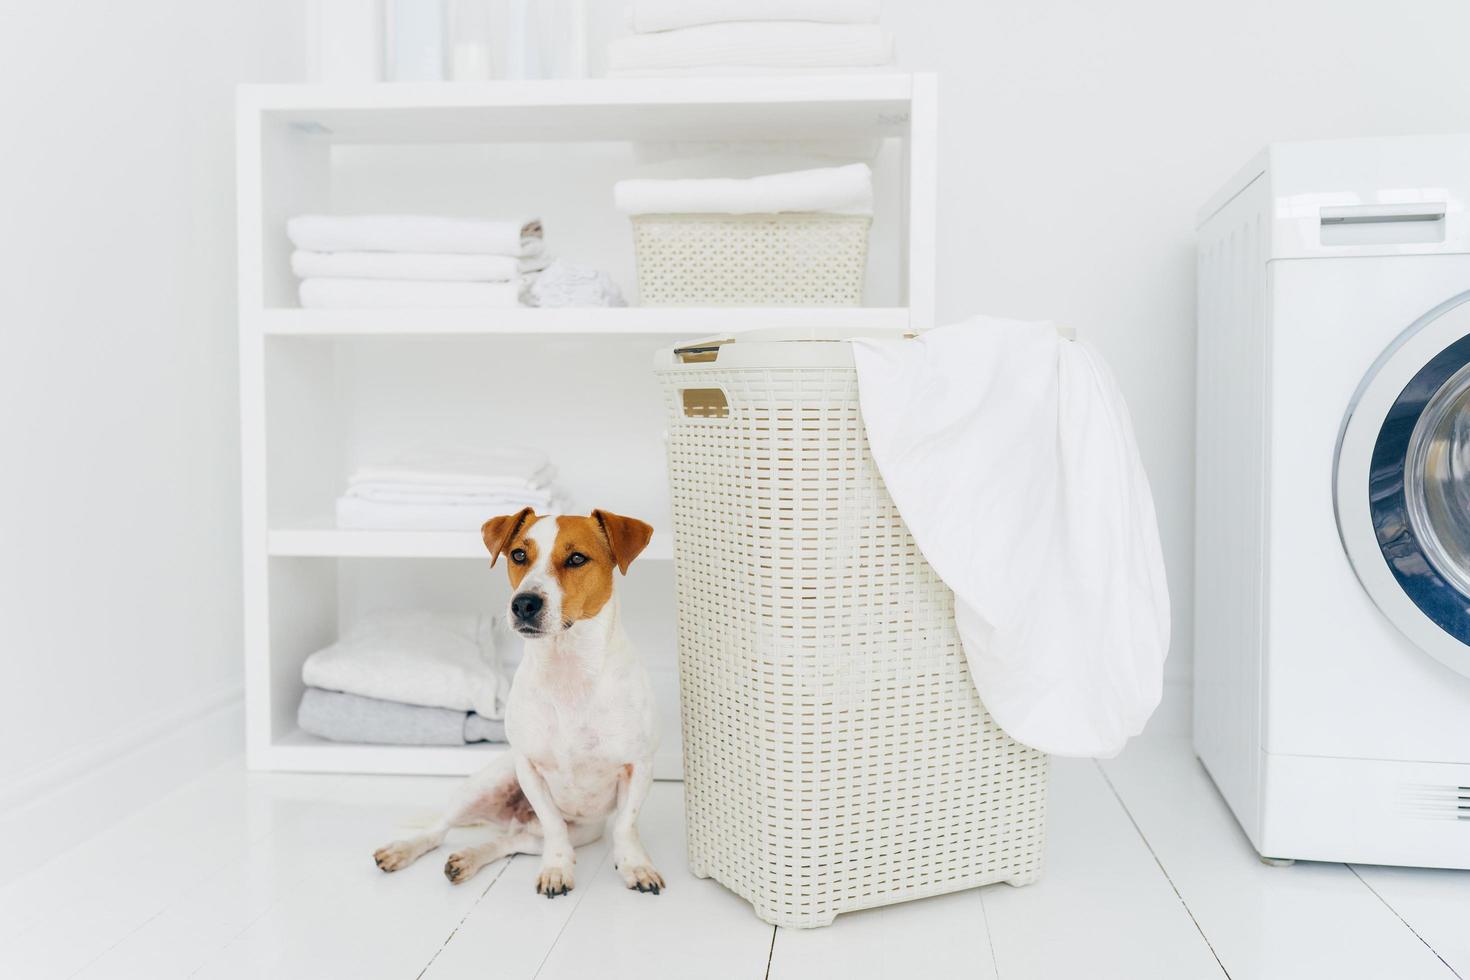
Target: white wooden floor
pixel 240 875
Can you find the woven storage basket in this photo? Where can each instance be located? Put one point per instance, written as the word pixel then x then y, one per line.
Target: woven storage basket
pixel 751 259
pixel 836 754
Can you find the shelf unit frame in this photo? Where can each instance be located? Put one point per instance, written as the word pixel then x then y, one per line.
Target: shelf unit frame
pixel 284 135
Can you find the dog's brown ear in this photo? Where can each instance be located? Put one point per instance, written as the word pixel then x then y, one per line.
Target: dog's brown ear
pixel 626 536
pixel 499 532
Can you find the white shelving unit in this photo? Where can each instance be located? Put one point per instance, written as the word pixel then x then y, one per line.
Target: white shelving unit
pixel 322 391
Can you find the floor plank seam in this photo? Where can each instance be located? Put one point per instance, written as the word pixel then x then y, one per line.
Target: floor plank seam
pixel 1389 906
pixel 989 937
pixel 580 893
pixel 1162 870
pixel 771 952
pixel 468 912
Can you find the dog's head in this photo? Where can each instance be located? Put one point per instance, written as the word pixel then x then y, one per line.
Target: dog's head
pixel 561 568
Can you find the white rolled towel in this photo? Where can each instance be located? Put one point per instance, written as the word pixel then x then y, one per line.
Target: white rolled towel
pixel 646 16
pixel 402 294
pixel 841 190
pixel 427 266
pixel 414 233
pixel 757 44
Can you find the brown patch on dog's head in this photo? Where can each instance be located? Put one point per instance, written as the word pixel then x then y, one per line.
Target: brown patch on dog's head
pixel 561 568
pixel 500 535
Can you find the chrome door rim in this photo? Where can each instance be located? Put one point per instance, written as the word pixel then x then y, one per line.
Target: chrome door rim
pixel 1370 484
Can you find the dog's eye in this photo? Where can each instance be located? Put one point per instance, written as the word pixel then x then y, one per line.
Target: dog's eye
pixel 518 556
pixel 576 560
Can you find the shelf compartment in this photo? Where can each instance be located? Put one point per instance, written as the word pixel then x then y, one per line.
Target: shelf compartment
pixel 673 322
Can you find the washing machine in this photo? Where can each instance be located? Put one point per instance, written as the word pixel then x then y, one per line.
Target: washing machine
pixel 1332 575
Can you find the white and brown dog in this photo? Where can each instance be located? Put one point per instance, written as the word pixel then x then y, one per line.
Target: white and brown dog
pixel 580 717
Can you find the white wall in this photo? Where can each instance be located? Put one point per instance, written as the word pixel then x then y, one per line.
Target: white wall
pixel 119 520
pixel 1079 138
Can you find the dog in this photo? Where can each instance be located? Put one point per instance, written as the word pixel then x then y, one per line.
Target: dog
pixel 580 715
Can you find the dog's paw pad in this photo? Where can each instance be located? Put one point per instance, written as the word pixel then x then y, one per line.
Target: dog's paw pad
pixel 554 881
pixel 643 878
pixel 394 856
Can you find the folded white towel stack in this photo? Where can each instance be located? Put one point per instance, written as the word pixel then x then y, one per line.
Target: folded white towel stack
pixel 835 190
pixel 434 660
pixel 691 37
pixel 388 261
pixel 448 491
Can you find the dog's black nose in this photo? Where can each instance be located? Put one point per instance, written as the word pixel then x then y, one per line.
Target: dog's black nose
pixel 526 605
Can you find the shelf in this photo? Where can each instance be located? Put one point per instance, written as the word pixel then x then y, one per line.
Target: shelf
pixel 586 322
pixel 838 106
pixel 330 542
pixel 300 752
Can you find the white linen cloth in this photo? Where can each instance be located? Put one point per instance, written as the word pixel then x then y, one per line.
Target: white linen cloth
pixel 565 284
pixel 407 294
pixel 431 659
pixel 1010 455
pixel 376 515
pixel 425 266
pixel 769 44
pixel 414 233
pixel 646 16
pixel 467 469
pixel 841 190
pixel 448 490
pixel 728 71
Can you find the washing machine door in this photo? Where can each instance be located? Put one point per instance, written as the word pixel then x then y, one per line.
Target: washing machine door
pixel 1402 483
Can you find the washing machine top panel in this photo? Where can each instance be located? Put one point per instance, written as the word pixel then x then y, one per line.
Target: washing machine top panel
pixel 1402 483
pixel 1348 198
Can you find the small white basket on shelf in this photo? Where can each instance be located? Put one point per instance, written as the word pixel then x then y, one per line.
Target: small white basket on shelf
pixel 790 259
pixel 836 753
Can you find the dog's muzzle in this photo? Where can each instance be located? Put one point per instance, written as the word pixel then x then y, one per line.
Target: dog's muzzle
pixel 525 611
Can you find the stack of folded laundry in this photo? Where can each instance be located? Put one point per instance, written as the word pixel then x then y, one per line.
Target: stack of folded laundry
pixel 406 261
pixel 408 678
pixel 448 491
pixel 750 37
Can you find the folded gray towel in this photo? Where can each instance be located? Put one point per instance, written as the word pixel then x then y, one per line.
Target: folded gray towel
pixel 353 718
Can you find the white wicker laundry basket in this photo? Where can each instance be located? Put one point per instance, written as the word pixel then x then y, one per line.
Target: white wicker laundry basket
pixel 797 259
pixel 836 754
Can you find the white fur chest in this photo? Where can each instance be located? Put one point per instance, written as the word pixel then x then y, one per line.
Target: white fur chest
pixel 581 710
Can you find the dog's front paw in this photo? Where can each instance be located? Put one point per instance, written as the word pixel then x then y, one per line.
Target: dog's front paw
pixel 399 854
pixel 643 877
pixel 461 866
pixel 554 880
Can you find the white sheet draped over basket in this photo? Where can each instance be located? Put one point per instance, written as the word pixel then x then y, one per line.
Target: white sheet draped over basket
pixel 1010 455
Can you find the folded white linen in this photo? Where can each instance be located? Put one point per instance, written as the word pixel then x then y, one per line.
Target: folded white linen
pixel 426 493
pixel 646 16
pixel 468 468
pixel 432 659
pixel 726 71
pixel 1010 455
pixel 843 190
pixel 414 233
pixel 359 514
pixel 426 266
pixel 406 294
pixel 565 284
pixel 773 44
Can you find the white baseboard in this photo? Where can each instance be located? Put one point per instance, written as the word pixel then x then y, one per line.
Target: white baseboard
pixel 72 797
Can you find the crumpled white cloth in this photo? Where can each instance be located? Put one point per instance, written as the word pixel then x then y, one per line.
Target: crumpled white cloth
pixel 564 283
pixel 1010 455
